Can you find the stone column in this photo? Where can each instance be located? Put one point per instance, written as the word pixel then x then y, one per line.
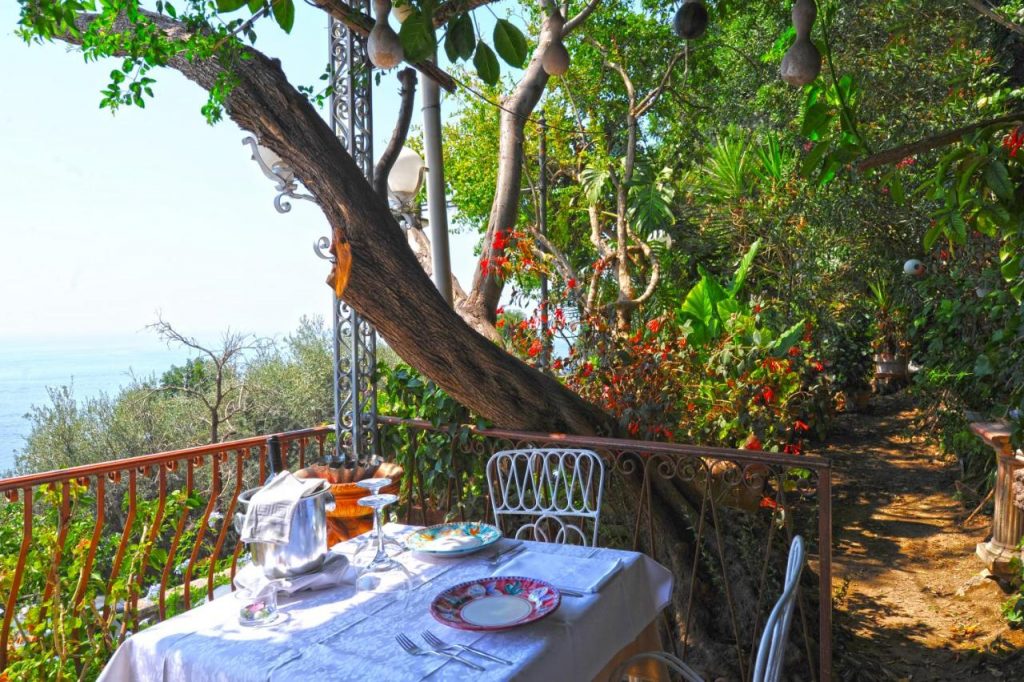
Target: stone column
pixel 1008 518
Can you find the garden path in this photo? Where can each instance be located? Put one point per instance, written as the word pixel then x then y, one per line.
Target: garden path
pixel 901 556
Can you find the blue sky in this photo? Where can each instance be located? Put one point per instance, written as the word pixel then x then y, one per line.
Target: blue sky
pixel 107 220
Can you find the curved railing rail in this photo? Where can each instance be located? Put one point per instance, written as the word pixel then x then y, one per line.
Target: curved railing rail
pixel 104 549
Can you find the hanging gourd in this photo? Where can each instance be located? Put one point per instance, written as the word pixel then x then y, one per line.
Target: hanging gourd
pixel 555 60
pixel 691 21
pixel 383 46
pixel 802 61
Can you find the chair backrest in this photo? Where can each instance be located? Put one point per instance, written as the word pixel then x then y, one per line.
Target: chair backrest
pixel 548 488
pixel 772 650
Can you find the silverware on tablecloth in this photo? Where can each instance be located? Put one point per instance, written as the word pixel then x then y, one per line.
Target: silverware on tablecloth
pixel 569 592
pixel 440 645
pixel 504 554
pixel 412 648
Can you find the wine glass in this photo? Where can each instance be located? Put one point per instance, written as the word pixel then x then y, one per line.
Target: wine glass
pixel 374 485
pixel 381 561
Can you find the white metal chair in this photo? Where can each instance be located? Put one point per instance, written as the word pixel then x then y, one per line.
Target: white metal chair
pixel 771 650
pixel 550 488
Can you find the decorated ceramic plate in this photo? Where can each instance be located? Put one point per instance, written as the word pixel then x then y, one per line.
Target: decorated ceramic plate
pixel 495 603
pixel 452 539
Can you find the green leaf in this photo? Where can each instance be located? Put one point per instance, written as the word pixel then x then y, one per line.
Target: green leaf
pixel 417 38
pixel 788 339
pixel 231 5
pixel 284 14
pixel 464 36
pixel 486 63
pixel 510 43
pixel 998 180
pixel 983 366
pixel 744 267
pixel 699 304
pixel 932 235
pixel 256 5
pixel 813 158
pixel 816 120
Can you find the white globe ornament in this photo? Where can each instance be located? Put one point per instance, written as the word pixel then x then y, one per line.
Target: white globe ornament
pixel 913 268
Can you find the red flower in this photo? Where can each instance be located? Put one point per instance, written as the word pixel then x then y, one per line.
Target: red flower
pixel 691 406
pixel 818 367
pixel 484 265
pixel 768 394
pixel 535 348
pixel 792 449
pixel 571 283
pixel 654 326
pixel 634 428
pixel 752 443
pixel 794 351
pixel 906 162
pixel 1014 141
pixel 588 369
pixel 499 242
pixel 800 425
pixel 757 309
pixel 768 503
pixel 557 364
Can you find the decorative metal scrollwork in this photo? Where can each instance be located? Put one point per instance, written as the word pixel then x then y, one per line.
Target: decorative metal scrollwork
pixel 282 176
pixel 355 340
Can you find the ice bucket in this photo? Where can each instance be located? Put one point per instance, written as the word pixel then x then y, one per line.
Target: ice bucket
pixel 307 541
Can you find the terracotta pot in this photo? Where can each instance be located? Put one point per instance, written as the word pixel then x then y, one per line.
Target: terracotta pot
pixel 348 518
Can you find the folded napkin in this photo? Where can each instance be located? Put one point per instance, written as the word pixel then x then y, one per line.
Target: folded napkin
pixel 575 573
pixel 336 570
pixel 269 516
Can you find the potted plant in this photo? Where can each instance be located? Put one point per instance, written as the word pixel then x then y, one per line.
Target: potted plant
pixel 848 348
pixel 890 336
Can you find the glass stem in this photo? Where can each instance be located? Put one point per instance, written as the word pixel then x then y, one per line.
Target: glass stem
pixel 381 555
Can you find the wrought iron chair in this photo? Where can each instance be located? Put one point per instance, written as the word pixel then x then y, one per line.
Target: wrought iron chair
pixel 771 650
pixel 555 490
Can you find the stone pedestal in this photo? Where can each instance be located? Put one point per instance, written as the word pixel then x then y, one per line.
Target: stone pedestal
pixel 1007 519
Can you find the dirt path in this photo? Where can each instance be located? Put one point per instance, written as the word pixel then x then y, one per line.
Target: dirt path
pixel 900 557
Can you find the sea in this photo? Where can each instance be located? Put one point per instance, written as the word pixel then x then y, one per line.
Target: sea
pixel 90 366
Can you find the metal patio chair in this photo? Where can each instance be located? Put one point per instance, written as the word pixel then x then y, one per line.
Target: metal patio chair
pixel 770 651
pixel 556 492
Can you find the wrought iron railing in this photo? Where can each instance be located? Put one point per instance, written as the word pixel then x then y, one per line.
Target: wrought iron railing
pixel 107 548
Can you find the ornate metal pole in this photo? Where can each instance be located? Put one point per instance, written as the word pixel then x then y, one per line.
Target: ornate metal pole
pixel 355 340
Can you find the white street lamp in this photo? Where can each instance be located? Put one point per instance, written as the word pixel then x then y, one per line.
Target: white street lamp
pixel 279 172
pixel 406 176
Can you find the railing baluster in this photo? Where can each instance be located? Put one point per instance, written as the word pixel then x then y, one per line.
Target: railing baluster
pixel 94 542
pixel 225 523
pixel 123 545
pixel 19 572
pixel 63 516
pixel 151 536
pixel 179 529
pixel 201 529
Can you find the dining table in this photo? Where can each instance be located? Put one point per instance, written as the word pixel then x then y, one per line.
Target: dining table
pixel 350 632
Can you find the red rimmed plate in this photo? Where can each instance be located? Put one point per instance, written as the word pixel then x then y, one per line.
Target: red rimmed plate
pixel 495 603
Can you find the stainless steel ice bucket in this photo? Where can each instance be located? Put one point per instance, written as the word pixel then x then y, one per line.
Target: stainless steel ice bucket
pixel 307 542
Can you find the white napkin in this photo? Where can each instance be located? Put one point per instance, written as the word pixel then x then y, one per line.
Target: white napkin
pixel 336 570
pixel 269 516
pixel 575 573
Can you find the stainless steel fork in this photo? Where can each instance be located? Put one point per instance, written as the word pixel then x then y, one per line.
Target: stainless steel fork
pixel 440 645
pixel 412 648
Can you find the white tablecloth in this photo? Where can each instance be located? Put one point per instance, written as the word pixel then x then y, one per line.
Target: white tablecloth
pixel 343 634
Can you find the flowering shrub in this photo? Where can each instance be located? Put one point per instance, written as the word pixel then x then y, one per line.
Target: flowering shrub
pixel 718 371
